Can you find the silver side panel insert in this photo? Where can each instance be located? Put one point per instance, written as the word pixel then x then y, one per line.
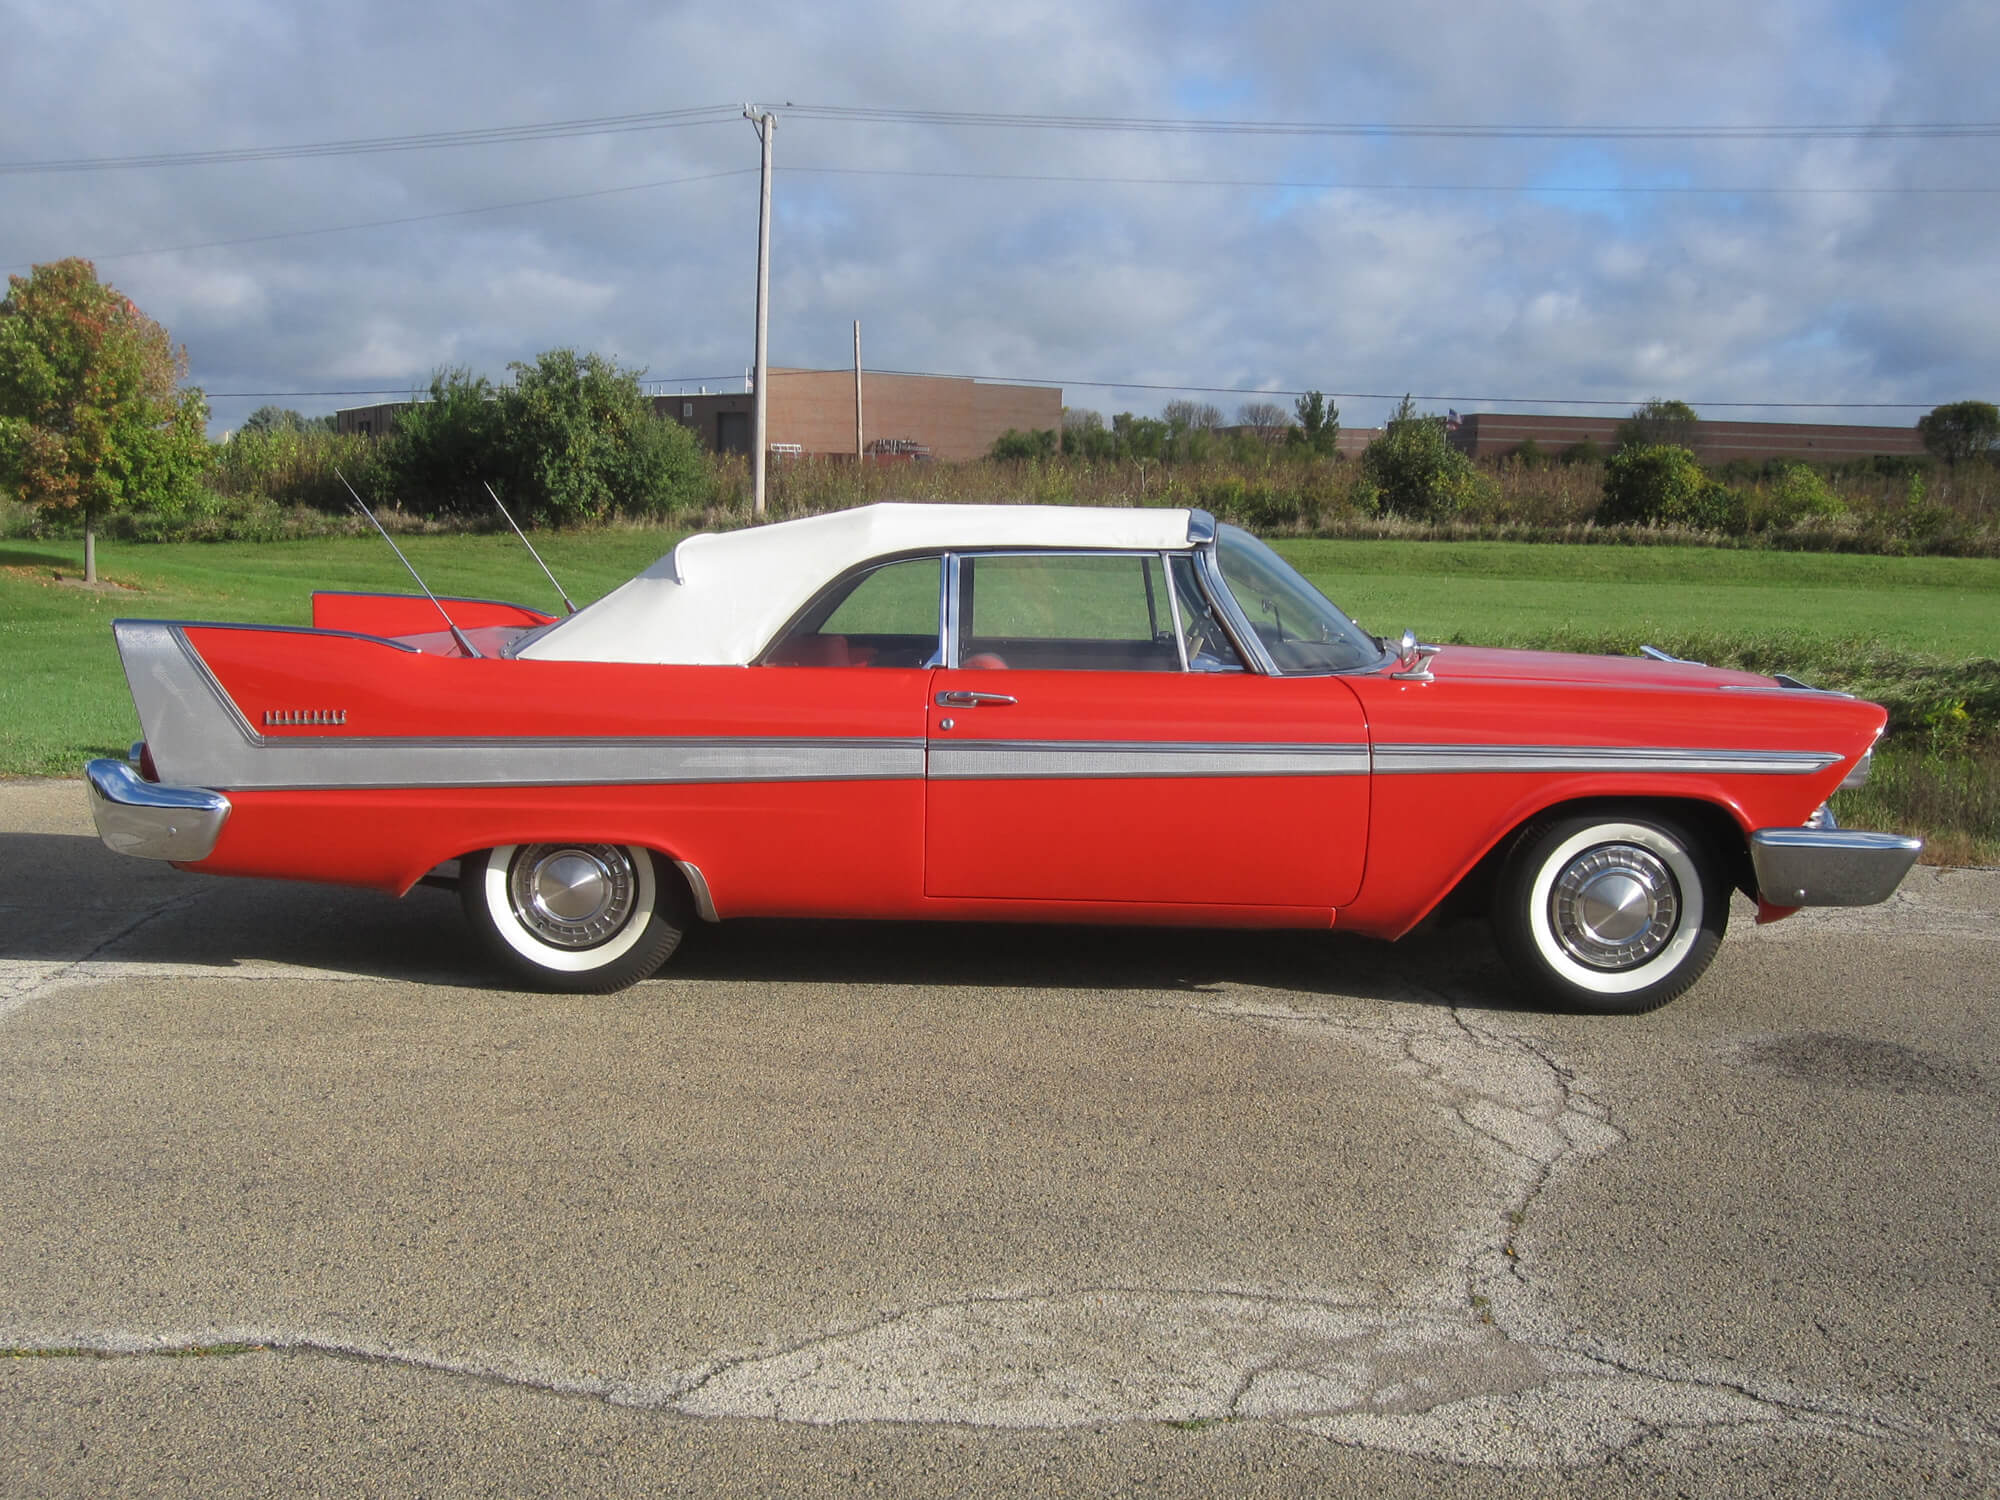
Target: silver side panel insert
pixel 1404 760
pixel 197 734
pixel 1830 867
pixel 1007 760
pixel 142 818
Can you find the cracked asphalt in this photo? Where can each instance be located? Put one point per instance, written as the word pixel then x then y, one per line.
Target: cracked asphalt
pixel 294 1198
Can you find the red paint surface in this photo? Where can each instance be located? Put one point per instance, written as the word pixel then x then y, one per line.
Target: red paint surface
pixel 1250 851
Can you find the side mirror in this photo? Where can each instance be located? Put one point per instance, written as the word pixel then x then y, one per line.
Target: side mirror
pixel 1413 659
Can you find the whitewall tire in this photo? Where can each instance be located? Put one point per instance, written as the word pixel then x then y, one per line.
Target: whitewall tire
pixel 1608 913
pixel 582 917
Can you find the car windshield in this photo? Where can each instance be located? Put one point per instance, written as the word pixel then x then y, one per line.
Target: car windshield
pixel 1299 626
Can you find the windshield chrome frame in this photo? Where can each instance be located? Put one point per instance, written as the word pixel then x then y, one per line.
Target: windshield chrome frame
pixel 1208 563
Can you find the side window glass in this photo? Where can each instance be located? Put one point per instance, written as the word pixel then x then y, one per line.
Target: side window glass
pixel 1208 646
pixel 888 617
pixel 1066 612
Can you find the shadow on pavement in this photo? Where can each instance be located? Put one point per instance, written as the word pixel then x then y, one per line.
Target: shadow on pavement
pixel 69 898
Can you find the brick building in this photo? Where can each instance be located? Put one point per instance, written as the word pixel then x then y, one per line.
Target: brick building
pixel 811 412
pixel 1496 434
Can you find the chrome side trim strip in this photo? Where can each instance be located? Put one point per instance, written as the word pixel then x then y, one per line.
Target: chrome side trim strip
pixel 197 733
pixel 1829 866
pixel 1012 760
pixel 142 818
pixel 1404 760
pixel 704 903
pixel 353 763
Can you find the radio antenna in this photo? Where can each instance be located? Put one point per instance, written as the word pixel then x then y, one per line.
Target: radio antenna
pixel 568 607
pixel 456 634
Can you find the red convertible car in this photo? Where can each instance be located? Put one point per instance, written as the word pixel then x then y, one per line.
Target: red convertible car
pixel 1008 713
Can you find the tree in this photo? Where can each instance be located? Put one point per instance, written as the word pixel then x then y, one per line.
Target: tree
pixel 1415 470
pixel 582 441
pixel 1016 446
pixel 284 419
pixel 1191 416
pixel 1140 437
pixel 1657 422
pixel 1319 422
pixel 1268 417
pixel 90 417
pixel 1961 430
pixel 443 452
pixel 1084 434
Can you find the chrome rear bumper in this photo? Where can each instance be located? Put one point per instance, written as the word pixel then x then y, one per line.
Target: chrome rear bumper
pixel 140 817
pixel 1829 866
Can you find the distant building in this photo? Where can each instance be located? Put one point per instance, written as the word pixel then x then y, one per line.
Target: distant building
pixel 811 413
pixel 369 421
pixel 1497 434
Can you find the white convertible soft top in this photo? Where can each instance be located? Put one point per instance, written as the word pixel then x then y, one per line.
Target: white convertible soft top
pixel 718 598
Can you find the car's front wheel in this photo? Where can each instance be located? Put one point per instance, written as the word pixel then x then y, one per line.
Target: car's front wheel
pixel 588 918
pixel 1610 914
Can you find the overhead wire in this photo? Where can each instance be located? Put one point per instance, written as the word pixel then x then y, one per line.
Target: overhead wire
pixel 449 213
pixel 671 119
pixel 1869 130
pixel 1361 187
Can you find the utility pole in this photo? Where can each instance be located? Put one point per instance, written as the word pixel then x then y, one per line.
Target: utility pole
pixel 859 451
pixel 766 123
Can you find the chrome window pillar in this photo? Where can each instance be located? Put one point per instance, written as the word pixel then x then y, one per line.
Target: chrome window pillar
pixel 948 610
pixel 1249 645
pixel 1174 607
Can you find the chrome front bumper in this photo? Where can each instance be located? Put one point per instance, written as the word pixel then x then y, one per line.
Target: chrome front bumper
pixel 1829 866
pixel 140 817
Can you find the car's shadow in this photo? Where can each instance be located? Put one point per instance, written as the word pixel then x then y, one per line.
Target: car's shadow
pixel 70 899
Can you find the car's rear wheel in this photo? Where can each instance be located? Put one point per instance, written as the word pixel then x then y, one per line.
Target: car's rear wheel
pixel 1607 913
pixel 587 918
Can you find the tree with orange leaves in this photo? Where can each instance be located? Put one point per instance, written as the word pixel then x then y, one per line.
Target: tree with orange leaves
pixel 91 417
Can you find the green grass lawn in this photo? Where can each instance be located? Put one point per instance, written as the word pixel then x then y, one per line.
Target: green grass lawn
pixel 1516 592
pixel 63 697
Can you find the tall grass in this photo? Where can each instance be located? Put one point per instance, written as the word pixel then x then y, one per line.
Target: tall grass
pixel 282 483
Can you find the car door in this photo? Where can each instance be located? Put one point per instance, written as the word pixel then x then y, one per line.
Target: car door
pixel 1073 756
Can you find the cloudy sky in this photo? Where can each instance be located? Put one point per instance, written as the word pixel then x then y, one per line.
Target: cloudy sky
pixel 1718 254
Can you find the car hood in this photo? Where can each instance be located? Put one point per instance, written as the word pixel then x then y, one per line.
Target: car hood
pixel 1470 663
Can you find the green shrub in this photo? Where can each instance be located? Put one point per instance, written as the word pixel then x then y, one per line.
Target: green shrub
pixel 1655 484
pixel 1586 452
pixel 1015 446
pixel 1797 495
pixel 1415 470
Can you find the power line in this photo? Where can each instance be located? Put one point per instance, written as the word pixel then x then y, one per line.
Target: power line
pixel 449 213
pixel 670 119
pixel 1203 390
pixel 1223 182
pixel 711 114
pixel 1872 130
pixel 1356 187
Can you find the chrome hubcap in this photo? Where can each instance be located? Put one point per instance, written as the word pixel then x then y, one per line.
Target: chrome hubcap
pixel 1615 906
pixel 572 895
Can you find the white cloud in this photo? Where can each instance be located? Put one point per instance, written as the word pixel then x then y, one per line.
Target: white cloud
pixel 1818 295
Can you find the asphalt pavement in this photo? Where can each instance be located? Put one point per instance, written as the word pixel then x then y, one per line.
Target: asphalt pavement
pixel 296 1197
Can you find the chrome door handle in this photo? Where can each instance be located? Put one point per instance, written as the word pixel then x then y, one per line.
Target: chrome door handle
pixel 965 698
